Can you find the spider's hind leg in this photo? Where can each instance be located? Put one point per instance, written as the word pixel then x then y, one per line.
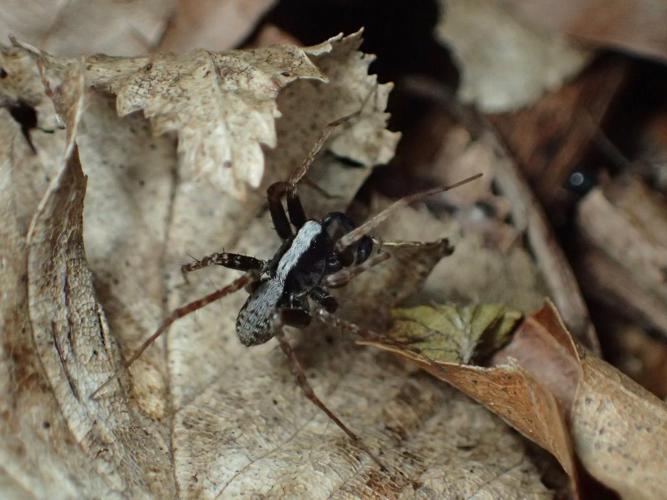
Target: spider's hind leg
pixel 176 314
pixel 302 380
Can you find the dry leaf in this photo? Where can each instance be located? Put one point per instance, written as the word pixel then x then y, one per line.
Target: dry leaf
pixel 504 64
pixel 623 249
pixel 231 420
pixel 633 25
pixel 86 26
pixel 566 401
pixel 223 105
pixel 211 24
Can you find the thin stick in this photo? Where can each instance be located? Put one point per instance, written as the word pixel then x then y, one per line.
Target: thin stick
pixel 177 314
pixel 308 391
pixel 358 233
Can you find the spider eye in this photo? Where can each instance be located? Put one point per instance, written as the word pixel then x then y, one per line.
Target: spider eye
pixel 333 263
pixel 363 250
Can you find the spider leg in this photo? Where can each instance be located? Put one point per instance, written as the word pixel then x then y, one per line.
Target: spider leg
pixel 176 314
pixel 229 260
pixel 297 216
pixel 329 318
pixel 278 216
pixel 342 277
pixel 358 233
pixel 295 312
pixel 323 298
pixel 308 391
pixel 298 173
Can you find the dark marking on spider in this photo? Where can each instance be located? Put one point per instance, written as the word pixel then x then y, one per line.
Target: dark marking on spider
pixel 315 256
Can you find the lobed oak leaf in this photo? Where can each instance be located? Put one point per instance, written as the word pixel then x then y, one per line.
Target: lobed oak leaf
pixel 223 105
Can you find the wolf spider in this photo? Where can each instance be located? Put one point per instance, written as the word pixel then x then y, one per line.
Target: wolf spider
pixel 315 256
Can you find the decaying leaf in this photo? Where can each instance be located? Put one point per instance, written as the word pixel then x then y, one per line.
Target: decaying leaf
pixel 455 335
pixel 199 24
pixel 223 105
pixel 565 400
pixel 504 64
pixel 205 416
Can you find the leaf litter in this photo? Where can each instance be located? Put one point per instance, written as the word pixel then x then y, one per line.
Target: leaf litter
pixel 204 410
pixel 546 387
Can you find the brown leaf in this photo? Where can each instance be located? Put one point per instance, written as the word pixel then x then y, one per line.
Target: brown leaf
pixel 568 402
pixel 211 24
pixel 570 117
pixel 510 391
pixel 71 333
pixel 623 249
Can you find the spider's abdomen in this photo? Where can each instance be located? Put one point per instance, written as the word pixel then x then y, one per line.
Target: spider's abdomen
pixel 254 323
pixel 301 268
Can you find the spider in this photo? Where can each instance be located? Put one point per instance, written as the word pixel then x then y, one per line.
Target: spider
pixel 315 256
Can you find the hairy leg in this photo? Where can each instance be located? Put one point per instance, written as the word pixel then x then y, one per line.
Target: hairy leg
pixel 361 231
pixel 176 314
pixel 307 389
pixel 229 260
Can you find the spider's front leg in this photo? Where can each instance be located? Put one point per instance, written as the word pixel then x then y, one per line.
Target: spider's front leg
pixel 297 216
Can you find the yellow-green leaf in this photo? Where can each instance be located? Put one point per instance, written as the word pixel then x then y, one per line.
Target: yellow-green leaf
pixel 454 334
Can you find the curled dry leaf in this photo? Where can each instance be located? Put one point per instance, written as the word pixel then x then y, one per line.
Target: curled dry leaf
pixel 505 64
pixel 72 342
pixel 563 399
pixel 207 416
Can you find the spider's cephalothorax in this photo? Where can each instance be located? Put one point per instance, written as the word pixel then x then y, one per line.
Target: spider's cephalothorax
pixel 298 272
